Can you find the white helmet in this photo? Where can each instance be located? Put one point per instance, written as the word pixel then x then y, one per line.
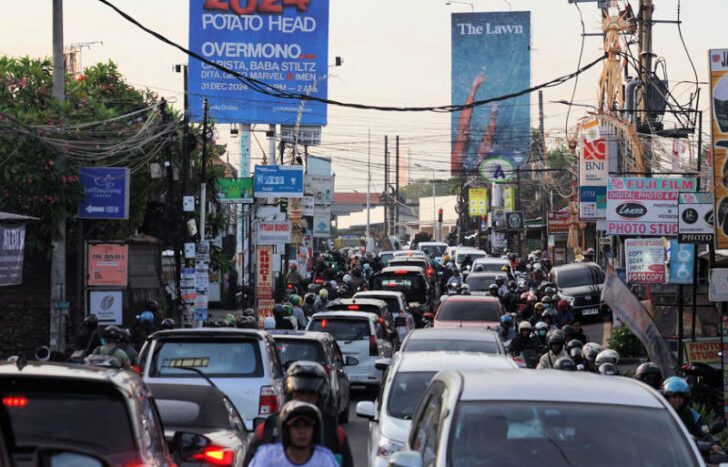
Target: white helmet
pixel 347 278
pixel 269 323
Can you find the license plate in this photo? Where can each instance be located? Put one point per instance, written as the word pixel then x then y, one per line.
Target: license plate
pixel 590 311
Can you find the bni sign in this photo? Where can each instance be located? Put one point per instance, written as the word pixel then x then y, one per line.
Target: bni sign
pixel 106 193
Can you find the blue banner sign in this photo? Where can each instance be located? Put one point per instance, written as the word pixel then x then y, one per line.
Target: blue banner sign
pixel 283 43
pixel 106 193
pixel 278 181
pixel 681 261
pixel 491 56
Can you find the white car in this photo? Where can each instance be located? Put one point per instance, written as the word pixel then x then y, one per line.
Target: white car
pixel 492 265
pixel 464 252
pixel 438 248
pixel 397 304
pixel 359 335
pixel 544 418
pixel 406 380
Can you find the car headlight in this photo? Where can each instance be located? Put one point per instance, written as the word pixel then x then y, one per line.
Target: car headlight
pixel 387 447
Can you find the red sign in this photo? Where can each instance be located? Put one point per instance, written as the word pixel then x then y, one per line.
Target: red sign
pixel 265 307
pixel 559 222
pixel 264 279
pixel 108 264
pixel 595 150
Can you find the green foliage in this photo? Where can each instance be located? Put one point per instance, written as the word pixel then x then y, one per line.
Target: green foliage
pixel 623 341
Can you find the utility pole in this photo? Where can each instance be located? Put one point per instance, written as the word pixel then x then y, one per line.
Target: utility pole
pixel 58 258
pixel 644 118
pixel 369 185
pixel 386 185
pixel 544 165
pixel 203 173
pixel 396 189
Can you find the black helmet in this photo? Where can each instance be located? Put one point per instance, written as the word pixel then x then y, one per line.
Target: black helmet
pixel 91 321
pixel 221 323
pixel 591 350
pixel 569 332
pixel 167 323
pixel 307 376
pixel 650 374
pixel 313 288
pixel 565 363
pixel 549 291
pixel 112 333
pixel 576 354
pixel 555 337
pixel 609 369
pixel 249 312
pixel 572 343
pixel 546 299
pixel 512 284
pixel 500 278
pixel 124 336
pixel 294 410
pixel 246 322
pixel 309 298
pixel 279 312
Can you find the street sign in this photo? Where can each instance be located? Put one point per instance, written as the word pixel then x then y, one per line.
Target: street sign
pixel 514 220
pixel 497 170
pixel 278 181
pixel 106 193
pixel 235 190
pixel 695 222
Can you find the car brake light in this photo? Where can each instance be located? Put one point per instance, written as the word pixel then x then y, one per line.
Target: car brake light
pixel 324 323
pixel 319 281
pixel 290 286
pixel 381 319
pixel 392 285
pixel 373 348
pixel 136 369
pixel 400 271
pixel 15 401
pixel 353 307
pixel 268 401
pixel 216 455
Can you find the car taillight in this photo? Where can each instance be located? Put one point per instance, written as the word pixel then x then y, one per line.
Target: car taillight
pixel 216 455
pixel 15 401
pixel 268 401
pixel 373 348
pixel 430 271
pixel 290 286
pixel 353 307
pixel 136 369
pixel 381 320
pixel 400 271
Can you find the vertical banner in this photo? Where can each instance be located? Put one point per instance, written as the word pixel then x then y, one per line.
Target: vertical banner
pixel 322 222
pixel 681 263
pixel 202 281
pixel 593 172
pixel 719 114
pixel 509 199
pixel 477 202
pixel 264 269
pixel 107 305
pixel 12 246
pixel 491 56
pixel 281 43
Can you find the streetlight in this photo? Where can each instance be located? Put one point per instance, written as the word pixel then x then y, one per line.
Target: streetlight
pixel 434 210
pixel 472 7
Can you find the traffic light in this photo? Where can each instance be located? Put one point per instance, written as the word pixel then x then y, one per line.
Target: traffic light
pixel 439 215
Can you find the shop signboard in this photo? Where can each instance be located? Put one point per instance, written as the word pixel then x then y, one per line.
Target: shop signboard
pixel 559 222
pixel 264 272
pixel 273 233
pixel 719 117
pixel 321 187
pixel 235 190
pixel 278 181
pixel 696 220
pixel 593 174
pixel 107 305
pixel 322 223
pixel 645 260
pixel 108 264
pixel 681 262
pixel 12 249
pixel 477 202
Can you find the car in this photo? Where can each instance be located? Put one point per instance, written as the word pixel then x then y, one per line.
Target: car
pixel 454 339
pixel 436 248
pixel 205 410
pixel 243 363
pixel 397 303
pixel 412 282
pixel 550 417
pixel 407 378
pixel 469 311
pixel 418 261
pixel 580 284
pixel 359 335
pixel 385 257
pixel 319 347
pixel 104 413
pixel 410 253
pixel 369 305
pixel 479 282
pixel 463 253
pixel 494 265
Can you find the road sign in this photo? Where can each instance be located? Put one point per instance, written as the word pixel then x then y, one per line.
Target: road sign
pixel 278 181
pixel 106 193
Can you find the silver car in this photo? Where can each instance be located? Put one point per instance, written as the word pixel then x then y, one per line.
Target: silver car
pixel 397 304
pixel 406 380
pixel 243 363
pixel 453 339
pixel 544 418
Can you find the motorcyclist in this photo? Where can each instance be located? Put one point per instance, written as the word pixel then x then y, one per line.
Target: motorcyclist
pixel 279 314
pixel 606 356
pixel 125 345
pixel 465 290
pixel 579 332
pixel 650 374
pixel 167 323
pixel 524 340
pixel 556 350
pixel 144 325
pixel 294 278
pixel 677 392
pixel 537 312
pixel 541 330
pixel 321 301
pixel 301 427
pixel 456 280
pixel 500 281
pixel 566 317
pixel 298 313
pixel 505 328
pixel 493 290
pixel 308 382
pixel 565 364
pixel 88 336
pixel 591 350
pixel 246 322
pixel 308 301
pixel 112 336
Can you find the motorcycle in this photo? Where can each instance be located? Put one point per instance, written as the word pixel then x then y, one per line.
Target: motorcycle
pixel 527 358
pixel 706 385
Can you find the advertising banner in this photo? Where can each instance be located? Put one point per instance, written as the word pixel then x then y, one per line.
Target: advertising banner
pixel 12 247
pixel 264 272
pixel 509 199
pixel 477 202
pixel 307 204
pixel 235 190
pixel 645 206
pixel 107 305
pixel 202 282
pixel 283 44
pixel 108 264
pixel 593 175
pixel 278 181
pixel 105 193
pixel 645 260
pixel 273 233
pixel 719 127
pixel 696 220
pixel 321 187
pixel 705 351
pixel 265 308
pixel 681 262
pixel 718 290
pixel 559 222
pixel 514 221
pixel 322 222
pixel 491 56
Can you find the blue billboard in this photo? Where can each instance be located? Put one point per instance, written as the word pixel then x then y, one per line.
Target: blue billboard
pixel 105 193
pixel 278 181
pixel 283 43
pixel 491 56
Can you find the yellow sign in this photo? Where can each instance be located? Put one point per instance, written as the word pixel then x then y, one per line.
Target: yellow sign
pixel 509 199
pixel 719 116
pixel 478 205
pixel 705 351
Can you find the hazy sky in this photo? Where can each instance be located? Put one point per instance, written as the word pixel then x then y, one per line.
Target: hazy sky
pixel 394 51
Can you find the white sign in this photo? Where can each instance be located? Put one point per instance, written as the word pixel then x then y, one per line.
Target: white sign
pixel 321 187
pixel 497 170
pixel 190 250
pixel 106 305
pixel 305 136
pixel 273 233
pixel 718 291
pixel 307 204
pixel 696 218
pixel 188 204
pixel 645 260
pixel 593 154
pixel 322 223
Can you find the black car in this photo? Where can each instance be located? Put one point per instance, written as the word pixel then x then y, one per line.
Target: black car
pixel 370 305
pixel 411 281
pixel 318 347
pixel 479 282
pixel 580 284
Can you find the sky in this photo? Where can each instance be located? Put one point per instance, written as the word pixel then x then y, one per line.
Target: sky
pixel 395 52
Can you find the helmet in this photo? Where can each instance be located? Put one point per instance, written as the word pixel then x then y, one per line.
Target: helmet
pixel 607 356
pixel 562 305
pixel 576 354
pixel 499 279
pixel 124 336
pixel 295 300
pixel 112 333
pixel 493 287
pixel 507 318
pixel 541 328
pixel 249 312
pixel 609 369
pixel 573 343
pixel 650 374
pixel 565 364
pixel 278 311
pixel 591 350
pixel 306 376
pixel 532 297
pixel 313 288
pixel 551 313
pixel 347 279
pixel 525 325
pixel 91 321
pixel 168 323
pixel 247 322
pixel 546 300
pixel 465 289
pixel 549 291
pixel 295 410
pixel 524 296
pixel 309 298
pixel 504 268
pixel 269 323
pixel 287 309
pixel 568 331
pixel 230 318
pixel 556 338
pixel 538 307
pixel 323 293
pixel 147 317
pixel 222 323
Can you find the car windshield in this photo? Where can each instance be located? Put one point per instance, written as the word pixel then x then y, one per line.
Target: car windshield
pixel 488 267
pixel 405 392
pixel 214 357
pixel 577 277
pixel 437 250
pixel 563 434
pixel 478 283
pixel 392 302
pixel 456 345
pixel 454 310
pixel 385 258
pixel 64 416
pixel 413 286
pixel 342 329
pixel 291 350
pixel 472 255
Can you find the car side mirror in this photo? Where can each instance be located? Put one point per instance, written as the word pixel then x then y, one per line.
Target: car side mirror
pixel 351 361
pixel 63 458
pixel 405 459
pixel 186 445
pixel 365 409
pixel 382 364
